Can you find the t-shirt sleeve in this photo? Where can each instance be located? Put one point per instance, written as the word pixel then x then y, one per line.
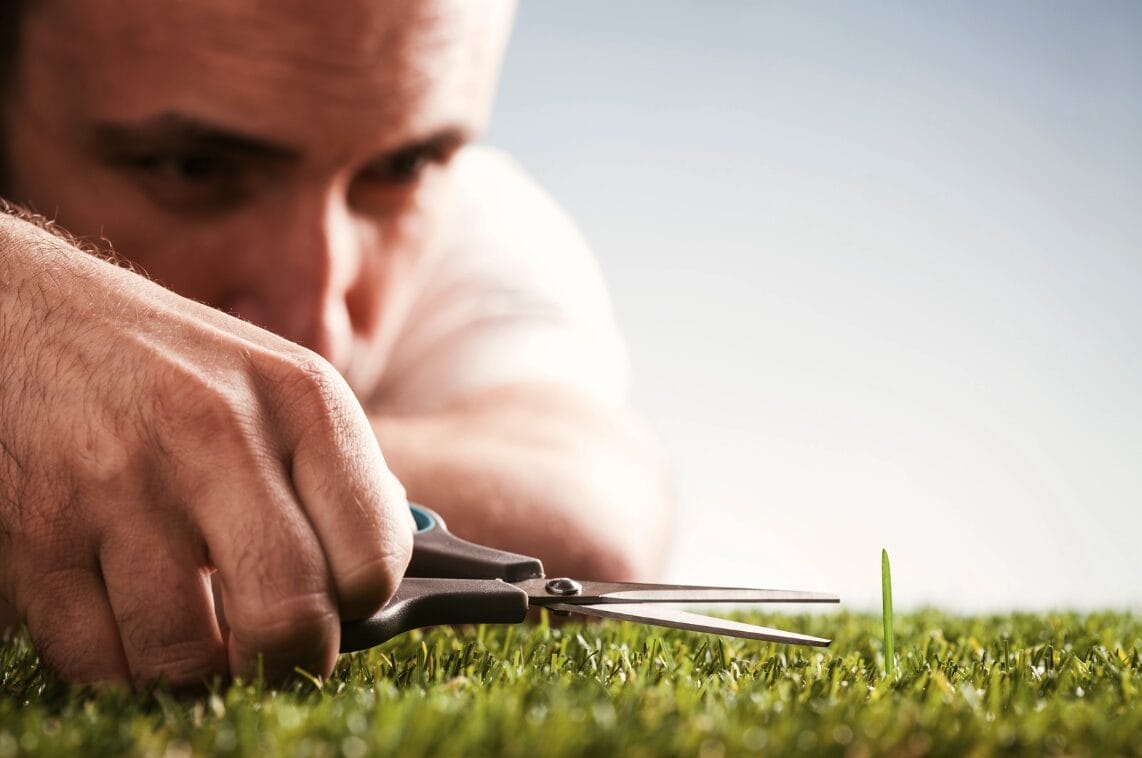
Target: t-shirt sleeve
pixel 513 295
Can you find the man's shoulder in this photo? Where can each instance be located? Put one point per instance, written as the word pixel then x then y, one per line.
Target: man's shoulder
pixel 499 208
pixel 512 295
pixel 479 168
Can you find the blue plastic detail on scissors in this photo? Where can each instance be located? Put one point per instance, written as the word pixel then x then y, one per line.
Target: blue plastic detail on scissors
pixel 424 520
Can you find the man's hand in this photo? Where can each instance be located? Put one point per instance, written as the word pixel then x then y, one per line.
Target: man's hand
pixel 148 442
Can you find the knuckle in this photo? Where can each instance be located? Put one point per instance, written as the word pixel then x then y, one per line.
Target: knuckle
pixel 316 392
pixel 101 449
pixel 366 588
pixel 201 409
pixel 49 587
pixel 158 646
pixel 180 664
pixel 297 626
pixel 64 630
pixel 310 376
pixel 61 656
pixel 381 551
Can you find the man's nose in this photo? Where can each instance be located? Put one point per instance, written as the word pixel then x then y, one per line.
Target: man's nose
pixel 309 264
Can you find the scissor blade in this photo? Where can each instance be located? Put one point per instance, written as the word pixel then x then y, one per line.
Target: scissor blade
pixel 593 593
pixel 671 617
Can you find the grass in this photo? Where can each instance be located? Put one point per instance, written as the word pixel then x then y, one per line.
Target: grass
pixel 886 601
pixel 1052 684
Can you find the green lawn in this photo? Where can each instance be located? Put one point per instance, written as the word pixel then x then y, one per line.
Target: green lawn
pixel 1034 684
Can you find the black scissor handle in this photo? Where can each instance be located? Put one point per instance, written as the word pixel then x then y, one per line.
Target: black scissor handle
pixel 421 602
pixel 440 554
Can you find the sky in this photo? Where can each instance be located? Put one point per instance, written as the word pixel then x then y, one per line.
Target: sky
pixel 879 269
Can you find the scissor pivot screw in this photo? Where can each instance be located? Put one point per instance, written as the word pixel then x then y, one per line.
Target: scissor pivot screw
pixel 564 586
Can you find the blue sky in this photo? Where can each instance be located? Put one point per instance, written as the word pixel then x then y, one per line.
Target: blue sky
pixel 879 267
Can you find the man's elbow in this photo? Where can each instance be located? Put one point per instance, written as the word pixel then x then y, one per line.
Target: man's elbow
pixel 623 558
pixel 628 517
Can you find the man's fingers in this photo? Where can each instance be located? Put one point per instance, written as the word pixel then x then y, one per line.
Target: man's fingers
pixel 275 585
pixel 160 594
pixel 74 630
pixel 357 507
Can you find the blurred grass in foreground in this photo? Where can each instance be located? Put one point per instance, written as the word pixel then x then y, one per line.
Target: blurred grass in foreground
pixel 1035 684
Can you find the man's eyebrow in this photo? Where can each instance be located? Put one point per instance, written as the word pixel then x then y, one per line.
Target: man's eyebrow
pixel 443 139
pixel 179 131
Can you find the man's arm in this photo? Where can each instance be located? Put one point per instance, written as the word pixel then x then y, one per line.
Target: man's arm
pixel 504 404
pixel 541 470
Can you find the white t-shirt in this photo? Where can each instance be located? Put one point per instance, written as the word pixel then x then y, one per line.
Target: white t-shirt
pixel 510 293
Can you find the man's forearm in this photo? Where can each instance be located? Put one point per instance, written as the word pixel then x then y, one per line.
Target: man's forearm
pixel 537 470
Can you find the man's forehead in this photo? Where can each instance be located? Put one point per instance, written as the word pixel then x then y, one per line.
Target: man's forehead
pixel 276 66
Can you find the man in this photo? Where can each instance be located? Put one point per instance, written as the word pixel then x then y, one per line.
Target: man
pixel 349 271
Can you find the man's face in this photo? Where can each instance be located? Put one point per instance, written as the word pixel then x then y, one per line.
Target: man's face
pixel 278 159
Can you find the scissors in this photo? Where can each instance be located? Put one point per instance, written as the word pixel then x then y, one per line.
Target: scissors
pixel 453 581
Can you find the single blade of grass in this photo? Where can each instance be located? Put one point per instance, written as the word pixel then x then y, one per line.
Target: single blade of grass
pixel 886 595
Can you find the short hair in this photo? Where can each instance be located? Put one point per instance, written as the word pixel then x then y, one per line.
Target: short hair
pixel 11 14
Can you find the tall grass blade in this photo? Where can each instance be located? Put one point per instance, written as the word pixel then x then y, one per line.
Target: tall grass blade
pixel 886 595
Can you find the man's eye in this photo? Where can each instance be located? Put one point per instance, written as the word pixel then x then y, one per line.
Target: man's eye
pixel 184 167
pixel 406 166
pixel 392 183
pixel 191 182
